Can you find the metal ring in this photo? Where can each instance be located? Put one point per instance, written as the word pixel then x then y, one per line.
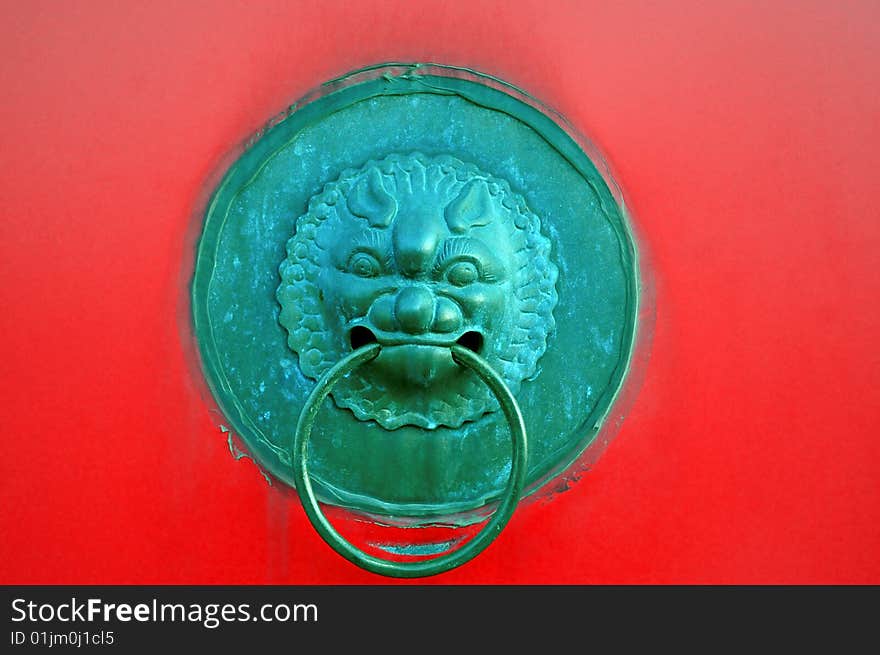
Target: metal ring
pixel 444 562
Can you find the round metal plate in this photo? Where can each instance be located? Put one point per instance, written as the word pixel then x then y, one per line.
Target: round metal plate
pixel 261 383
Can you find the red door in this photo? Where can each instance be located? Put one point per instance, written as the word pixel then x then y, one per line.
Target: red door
pixel 745 138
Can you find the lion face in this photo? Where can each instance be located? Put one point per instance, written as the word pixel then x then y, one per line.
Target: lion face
pixel 418 286
pixel 418 254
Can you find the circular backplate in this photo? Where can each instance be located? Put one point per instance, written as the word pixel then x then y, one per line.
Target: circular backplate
pixel 432 114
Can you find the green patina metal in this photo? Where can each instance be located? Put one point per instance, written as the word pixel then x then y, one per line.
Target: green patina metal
pixel 418 253
pixel 420 209
pixel 507 504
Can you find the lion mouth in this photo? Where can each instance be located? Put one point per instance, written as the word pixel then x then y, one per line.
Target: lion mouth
pixel 361 335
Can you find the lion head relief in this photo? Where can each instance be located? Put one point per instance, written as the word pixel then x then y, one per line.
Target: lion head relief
pixel 418 253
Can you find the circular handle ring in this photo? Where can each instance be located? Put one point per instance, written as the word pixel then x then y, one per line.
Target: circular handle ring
pixel 422 568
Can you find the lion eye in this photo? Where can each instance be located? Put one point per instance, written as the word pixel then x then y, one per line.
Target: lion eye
pixel 462 273
pixel 363 264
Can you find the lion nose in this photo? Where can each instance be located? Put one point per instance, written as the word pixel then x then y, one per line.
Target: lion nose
pixel 414 309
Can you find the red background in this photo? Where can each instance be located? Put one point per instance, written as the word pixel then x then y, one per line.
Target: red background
pixel 746 138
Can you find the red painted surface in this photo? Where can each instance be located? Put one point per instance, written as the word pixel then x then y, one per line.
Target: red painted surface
pixel 746 138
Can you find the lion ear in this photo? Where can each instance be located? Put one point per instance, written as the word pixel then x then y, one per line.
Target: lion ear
pixel 369 199
pixel 472 207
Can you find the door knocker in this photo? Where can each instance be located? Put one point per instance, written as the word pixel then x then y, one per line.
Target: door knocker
pixel 430 249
